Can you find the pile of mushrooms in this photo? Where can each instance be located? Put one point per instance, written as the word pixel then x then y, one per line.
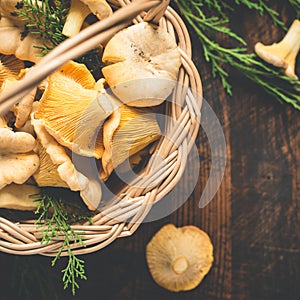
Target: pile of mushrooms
pixel 72 113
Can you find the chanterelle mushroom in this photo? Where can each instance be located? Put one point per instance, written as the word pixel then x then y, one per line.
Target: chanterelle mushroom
pixel 143 62
pixel 73 110
pixel 47 173
pixel 22 45
pixel 18 162
pixel 79 10
pixel 127 131
pixel 10 67
pixel 23 109
pixel 16 196
pixel 90 190
pixel 284 53
pixel 179 258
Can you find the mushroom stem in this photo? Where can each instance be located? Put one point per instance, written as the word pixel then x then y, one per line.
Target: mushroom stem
pixel 180 265
pixel 77 13
pixel 100 8
pixel 284 53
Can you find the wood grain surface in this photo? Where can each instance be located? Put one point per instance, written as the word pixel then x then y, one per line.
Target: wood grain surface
pixel 253 220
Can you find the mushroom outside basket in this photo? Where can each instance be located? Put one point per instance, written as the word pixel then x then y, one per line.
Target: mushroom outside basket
pixel 123 215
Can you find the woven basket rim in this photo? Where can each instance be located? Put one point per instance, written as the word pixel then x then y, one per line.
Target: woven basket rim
pixel 23 238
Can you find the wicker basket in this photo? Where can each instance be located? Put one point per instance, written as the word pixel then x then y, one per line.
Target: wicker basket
pixel 126 212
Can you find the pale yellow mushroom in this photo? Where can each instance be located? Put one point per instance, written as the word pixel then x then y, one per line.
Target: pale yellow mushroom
pixel 284 53
pixel 17 167
pixel 14 33
pixel 127 131
pixel 73 110
pixel 8 10
pixel 18 197
pixel 100 8
pixel 24 108
pixel 47 173
pixel 78 12
pixel 18 161
pixel 15 142
pixel 142 64
pixel 89 188
pixel 10 67
pixel 179 258
pixel 18 41
pixel 27 127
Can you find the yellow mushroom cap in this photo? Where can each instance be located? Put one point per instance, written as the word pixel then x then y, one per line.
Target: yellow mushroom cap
pixel 143 63
pixel 126 132
pixel 15 196
pixel 15 142
pixel 90 190
pixel 179 258
pixel 47 173
pixel 73 110
pixel 284 53
pixel 17 167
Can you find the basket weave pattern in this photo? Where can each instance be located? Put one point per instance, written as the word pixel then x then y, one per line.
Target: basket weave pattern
pixel 126 212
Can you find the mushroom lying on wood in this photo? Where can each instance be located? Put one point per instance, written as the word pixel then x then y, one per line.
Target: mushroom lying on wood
pixel 179 258
pixel 284 53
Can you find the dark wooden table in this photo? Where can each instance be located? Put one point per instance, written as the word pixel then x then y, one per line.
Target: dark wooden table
pixel 253 220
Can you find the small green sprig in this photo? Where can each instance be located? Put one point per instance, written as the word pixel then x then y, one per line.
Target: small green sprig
pixel 45 20
pixel 262 7
pixel 54 222
pixel 296 6
pixel 285 89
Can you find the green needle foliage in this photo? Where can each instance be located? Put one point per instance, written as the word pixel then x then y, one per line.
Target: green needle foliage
pixel 285 89
pixel 45 19
pixel 296 5
pixel 54 222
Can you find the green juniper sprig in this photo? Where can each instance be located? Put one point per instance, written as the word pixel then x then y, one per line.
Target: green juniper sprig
pixel 285 89
pixel 53 222
pixel 296 5
pixel 45 20
pixel 263 8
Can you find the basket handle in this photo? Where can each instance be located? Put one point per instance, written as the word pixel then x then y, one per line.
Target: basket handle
pixel 157 12
pixel 76 46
